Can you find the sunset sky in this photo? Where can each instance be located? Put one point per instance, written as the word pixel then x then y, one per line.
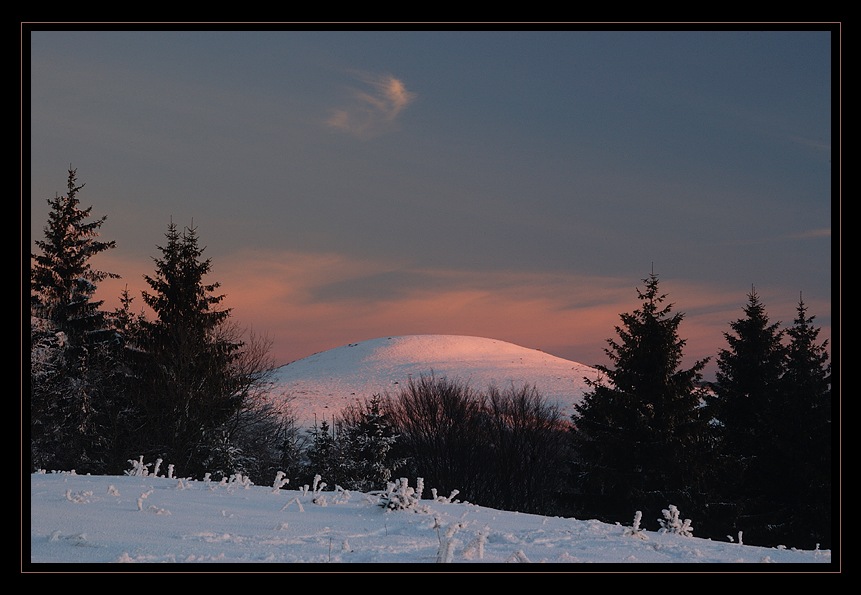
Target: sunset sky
pixel 509 184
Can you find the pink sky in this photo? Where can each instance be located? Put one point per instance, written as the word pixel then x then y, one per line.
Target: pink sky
pixel 570 316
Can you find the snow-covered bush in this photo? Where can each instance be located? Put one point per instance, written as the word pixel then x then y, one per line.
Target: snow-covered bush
pixel 671 523
pixel 400 496
pixel 139 469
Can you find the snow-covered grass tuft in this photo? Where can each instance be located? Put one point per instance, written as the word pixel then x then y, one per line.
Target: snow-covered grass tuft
pixel 475 548
pixel 447 543
pixel 143 497
pixel 139 468
pixel 635 530
pixel 280 481
pixel 298 504
pixel 448 499
pixel 237 479
pixel 80 497
pixel 519 557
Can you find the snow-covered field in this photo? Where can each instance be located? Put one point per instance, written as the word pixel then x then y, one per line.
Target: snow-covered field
pixel 321 385
pixel 95 520
pixel 79 521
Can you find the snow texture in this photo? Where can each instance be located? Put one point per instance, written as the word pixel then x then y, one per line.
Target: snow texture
pixel 95 520
pixel 150 516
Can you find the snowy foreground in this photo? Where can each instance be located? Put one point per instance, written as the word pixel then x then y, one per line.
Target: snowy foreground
pixel 85 520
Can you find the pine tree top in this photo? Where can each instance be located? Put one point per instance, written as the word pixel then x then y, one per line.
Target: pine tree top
pixel 62 279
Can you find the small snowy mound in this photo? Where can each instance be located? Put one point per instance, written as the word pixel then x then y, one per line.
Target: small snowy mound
pixel 321 385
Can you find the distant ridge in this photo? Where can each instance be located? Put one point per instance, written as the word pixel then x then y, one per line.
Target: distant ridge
pixel 321 385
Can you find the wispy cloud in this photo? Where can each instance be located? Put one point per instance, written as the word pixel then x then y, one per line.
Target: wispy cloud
pixel 808 234
pixel 373 108
pixel 819 145
pixel 813 233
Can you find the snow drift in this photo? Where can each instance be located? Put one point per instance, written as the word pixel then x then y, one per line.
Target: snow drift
pixel 89 520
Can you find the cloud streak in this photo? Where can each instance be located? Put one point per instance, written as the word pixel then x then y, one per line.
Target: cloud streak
pixel 373 108
pixel 813 233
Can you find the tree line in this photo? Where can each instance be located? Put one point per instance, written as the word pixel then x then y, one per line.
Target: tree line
pixel 107 387
pixel 750 453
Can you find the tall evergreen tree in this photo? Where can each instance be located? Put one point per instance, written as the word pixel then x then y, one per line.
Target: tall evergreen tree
pixel 804 436
pixel 639 435
pixel 71 344
pixel 188 388
pixel 746 407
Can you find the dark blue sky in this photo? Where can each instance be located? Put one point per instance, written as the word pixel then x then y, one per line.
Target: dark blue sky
pixel 517 185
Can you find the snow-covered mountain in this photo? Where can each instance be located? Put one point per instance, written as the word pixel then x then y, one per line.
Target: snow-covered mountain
pixel 321 385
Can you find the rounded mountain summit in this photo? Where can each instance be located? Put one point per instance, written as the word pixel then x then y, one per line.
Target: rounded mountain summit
pixel 319 386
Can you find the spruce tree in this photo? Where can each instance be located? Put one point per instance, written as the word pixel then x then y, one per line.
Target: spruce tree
pixel 188 387
pixel 367 439
pixel 124 321
pixel 639 435
pixel 323 455
pixel 62 279
pixel 746 407
pixel 804 436
pixel 71 349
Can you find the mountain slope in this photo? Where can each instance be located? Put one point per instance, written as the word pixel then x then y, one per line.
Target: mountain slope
pixel 324 383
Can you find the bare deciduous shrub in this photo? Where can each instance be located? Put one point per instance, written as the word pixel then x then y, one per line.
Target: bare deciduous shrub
pixel 500 448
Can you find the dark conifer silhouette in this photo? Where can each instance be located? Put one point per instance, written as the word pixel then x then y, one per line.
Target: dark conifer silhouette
pixel 72 347
pixel 747 398
pixel 188 391
pixel 804 437
pixel 62 279
pixel 640 439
